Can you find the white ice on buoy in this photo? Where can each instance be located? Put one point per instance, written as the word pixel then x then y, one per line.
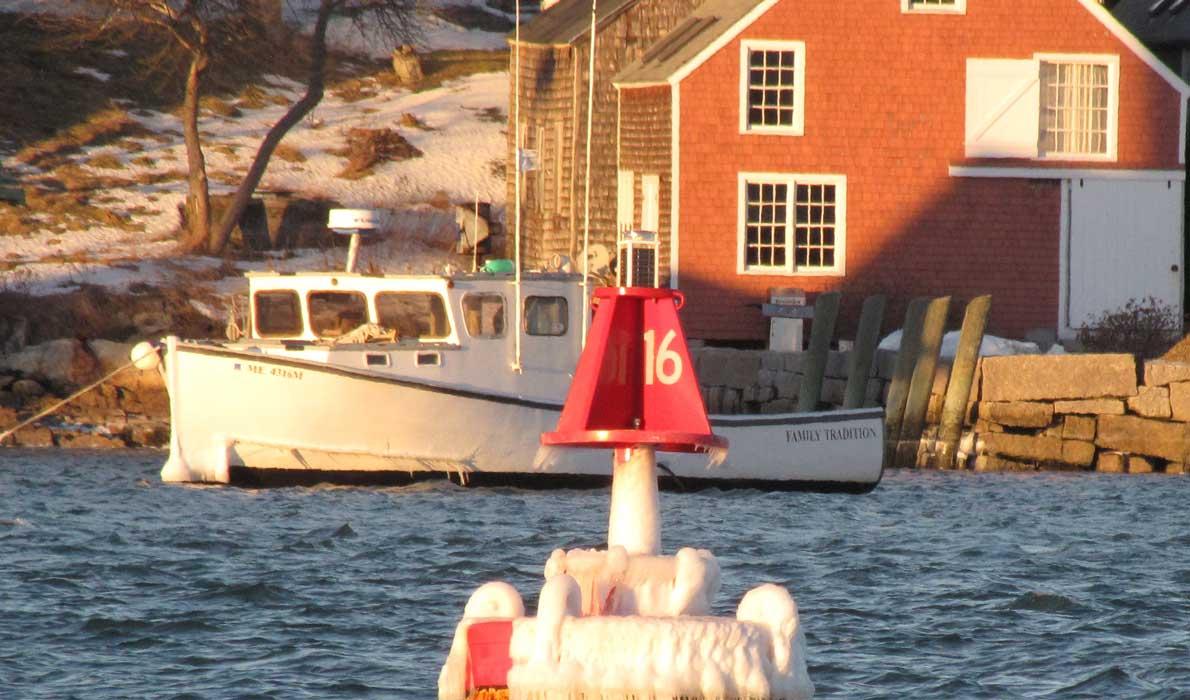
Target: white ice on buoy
pixel 614 582
pixel 612 657
pixel 495 600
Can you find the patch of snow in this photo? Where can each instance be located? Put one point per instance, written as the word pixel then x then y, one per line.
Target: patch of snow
pixel 991 345
pixel 92 73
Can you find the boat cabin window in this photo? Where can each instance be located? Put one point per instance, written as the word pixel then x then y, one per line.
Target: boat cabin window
pixel 278 312
pixel 333 314
pixel 419 315
pixel 484 315
pixel 546 315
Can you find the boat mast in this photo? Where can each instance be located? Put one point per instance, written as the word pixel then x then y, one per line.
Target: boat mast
pixel 516 315
pixel 587 179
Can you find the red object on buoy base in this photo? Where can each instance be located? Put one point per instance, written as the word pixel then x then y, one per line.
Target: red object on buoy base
pixel 488 658
pixel 635 383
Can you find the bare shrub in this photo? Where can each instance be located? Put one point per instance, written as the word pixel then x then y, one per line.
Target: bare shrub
pixel 105 127
pixel 368 147
pixel 291 154
pixel 1146 328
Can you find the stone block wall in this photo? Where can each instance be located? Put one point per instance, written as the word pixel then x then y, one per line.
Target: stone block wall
pixel 1105 412
pixel 767 381
pixel 1081 412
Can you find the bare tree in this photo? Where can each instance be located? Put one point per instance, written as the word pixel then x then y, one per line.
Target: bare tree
pixel 391 20
pixel 209 29
pixel 198 28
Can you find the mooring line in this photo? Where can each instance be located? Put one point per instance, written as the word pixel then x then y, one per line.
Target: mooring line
pixel 4 435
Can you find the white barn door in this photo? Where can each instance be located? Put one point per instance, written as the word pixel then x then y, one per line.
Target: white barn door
pixel 1124 241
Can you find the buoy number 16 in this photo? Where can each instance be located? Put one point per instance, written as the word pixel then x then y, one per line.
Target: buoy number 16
pixel 660 362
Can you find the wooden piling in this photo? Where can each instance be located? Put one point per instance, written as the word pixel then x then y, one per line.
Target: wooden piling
pixel 962 376
pixel 859 365
pixel 918 400
pixel 826 310
pixel 898 389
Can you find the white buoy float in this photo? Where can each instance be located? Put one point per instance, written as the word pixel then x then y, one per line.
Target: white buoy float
pixel 628 621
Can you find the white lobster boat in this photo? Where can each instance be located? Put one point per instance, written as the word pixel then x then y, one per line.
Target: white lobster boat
pixel 298 400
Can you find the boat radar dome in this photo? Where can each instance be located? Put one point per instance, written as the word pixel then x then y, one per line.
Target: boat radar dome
pixel 353 222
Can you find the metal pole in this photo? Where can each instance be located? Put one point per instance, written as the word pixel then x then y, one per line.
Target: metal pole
pixel 516 312
pixel 587 197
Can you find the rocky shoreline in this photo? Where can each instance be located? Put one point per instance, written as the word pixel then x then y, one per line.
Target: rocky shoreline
pixel 129 409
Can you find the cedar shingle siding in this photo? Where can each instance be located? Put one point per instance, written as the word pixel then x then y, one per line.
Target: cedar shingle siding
pixel 553 114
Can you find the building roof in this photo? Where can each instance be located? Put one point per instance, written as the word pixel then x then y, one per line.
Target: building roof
pixel 1156 22
pixel 568 21
pixel 687 41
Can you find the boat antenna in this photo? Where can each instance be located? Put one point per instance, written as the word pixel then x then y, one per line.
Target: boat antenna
pixel 587 196
pixel 516 312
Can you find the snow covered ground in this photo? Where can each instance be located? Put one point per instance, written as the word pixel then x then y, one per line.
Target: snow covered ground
pixel 461 141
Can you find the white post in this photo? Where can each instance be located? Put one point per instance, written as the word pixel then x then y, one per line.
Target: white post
pixel 635 520
pixel 352 252
pixel 516 82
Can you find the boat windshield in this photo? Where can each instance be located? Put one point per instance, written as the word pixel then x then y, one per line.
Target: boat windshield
pixel 333 314
pixel 420 315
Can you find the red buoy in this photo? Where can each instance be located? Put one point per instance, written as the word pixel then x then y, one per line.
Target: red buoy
pixel 635 384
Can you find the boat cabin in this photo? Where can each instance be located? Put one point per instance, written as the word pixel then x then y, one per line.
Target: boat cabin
pixel 454 329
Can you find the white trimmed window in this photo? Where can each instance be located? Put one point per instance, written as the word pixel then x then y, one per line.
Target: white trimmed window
pixel 1058 107
pixel 792 224
pixel 935 6
pixel 1075 100
pixel 772 87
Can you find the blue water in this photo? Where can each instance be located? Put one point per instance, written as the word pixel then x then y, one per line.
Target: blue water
pixel 936 585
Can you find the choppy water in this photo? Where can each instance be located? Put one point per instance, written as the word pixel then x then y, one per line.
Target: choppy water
pixel 936 585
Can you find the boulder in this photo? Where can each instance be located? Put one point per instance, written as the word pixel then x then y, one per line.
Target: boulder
pixel 65 361
pixel 1032 448
pixel 1179 401
pixel 991 463
pixel 89 441
pixel 1020 414
pixel 1163 372
pixel 27 389
pixel 742 369
pixel 1111 462
pixel 1140 465
pixel 1144 436
pixel 788 385
pixel 1078 452
pixel 712 367
pixel 1091 407
pixel 1052 377
pixel 1150 402
pixel 1078 428
pixel 772 361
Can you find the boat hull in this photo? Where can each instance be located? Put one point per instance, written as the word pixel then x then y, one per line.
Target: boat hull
pixel 252 419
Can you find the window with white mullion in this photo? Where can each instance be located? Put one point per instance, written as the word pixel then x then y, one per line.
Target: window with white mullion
pixel 766 225
pixel 1075 109
pixel 772 87
pixel 791 224
pixel 815 226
